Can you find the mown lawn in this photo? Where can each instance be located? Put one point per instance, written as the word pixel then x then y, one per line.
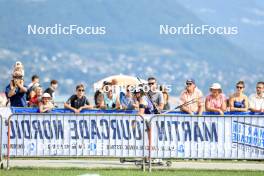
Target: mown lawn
pixel 122 172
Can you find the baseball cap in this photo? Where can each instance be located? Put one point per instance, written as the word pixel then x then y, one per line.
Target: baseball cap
pixel 190 81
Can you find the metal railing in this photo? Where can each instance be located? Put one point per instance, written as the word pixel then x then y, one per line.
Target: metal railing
pixel 206 137
pixel 71 135
pixel 170 136
pixel 1 145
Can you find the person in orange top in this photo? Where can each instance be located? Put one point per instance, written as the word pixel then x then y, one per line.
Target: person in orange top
pixel 191 92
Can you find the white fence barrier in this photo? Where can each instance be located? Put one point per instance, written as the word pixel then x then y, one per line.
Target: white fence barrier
pixel 124 135
pixel 208 137
pixel 85 135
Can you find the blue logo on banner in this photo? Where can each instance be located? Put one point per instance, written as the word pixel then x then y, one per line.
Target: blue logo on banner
pixel 181 149
pixel 92 146
pixel 248 134
pixel 31 147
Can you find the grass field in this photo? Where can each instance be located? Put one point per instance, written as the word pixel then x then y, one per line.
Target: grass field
pixel 123 172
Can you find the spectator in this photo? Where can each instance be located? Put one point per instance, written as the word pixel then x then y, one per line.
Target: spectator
pixel 143 103
pixel 111 100
pixel 16 91
pixel 192 94
pixel 128 102
pixel 256 101
pixel 155 95
pixel 45 105
pixel 52 88
pixel 166 97
pixel 34 80
pixel 36 99
pixel 115 88
pixel 34 83
pixel 3 100
pixel 78 101
pixel 100 101
pixel 216 101
pixel 98 96
pixel 18 67
pixel 239 101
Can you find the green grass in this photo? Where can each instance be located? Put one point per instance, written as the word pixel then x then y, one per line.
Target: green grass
pixel 123 172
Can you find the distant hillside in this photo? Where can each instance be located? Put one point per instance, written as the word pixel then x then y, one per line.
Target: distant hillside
pixel 132 44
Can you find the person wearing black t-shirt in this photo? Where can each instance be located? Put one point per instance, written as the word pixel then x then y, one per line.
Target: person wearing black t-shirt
pixel 78 101
pixel 52 88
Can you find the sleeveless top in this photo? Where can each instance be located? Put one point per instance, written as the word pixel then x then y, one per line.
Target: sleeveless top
pixel 110 103
pixel 239 104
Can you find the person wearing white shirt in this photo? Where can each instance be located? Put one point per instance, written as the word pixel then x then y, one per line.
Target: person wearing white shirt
pixel 256 101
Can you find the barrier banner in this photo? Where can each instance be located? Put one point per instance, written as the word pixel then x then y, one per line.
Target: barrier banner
pixel 214 137
pixel 76 135
pixel 1 129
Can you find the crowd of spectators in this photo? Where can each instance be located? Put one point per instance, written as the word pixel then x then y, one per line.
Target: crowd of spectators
pixel 153 100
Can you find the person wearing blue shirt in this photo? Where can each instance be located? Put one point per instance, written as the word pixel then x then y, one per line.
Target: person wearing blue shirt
pixel 16 91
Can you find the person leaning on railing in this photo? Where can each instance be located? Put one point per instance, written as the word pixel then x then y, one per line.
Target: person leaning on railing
pixel 256 101
pixel 155 94
pixel 78 101
pixel 191 92
pixel 111 99
pixel 144 104
pixel 45 105
pixel 36 99
pixel 216 101
pixel 239 101
pixel 128 101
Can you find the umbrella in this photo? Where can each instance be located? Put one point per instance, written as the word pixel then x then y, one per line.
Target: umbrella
pixel 122 80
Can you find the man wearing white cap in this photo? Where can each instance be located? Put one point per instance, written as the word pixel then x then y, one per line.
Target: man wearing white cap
pixel 216 101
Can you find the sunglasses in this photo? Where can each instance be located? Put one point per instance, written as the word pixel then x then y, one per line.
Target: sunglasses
pixel 151 83
pixel 81 90
pixel 17 77
pixel 239 87
pixel 188 84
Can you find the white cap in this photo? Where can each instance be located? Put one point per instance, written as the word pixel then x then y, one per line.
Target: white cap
pixel 216 86
pixel 18 64
pixel 46 95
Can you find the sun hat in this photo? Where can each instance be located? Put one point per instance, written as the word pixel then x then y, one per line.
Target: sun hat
pixel 46 95
pixel 18 64
pixel 216 86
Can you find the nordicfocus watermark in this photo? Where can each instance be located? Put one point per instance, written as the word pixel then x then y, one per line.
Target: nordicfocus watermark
pixel 59 29
pixel 144 88
pixel 191 29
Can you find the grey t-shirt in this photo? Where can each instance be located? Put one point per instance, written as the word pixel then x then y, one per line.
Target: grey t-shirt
pixel 156 97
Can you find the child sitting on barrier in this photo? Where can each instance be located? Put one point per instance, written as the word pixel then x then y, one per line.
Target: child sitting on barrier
pixel 46 105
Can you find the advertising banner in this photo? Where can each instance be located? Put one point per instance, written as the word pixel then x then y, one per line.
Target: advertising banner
pixel 219 137
pixel 84 135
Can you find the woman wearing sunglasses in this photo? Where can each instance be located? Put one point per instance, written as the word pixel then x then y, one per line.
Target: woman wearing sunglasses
pixel 239 101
